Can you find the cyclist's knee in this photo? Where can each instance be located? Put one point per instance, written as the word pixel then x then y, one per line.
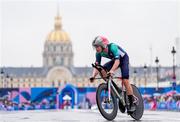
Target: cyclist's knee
pixel 125 81
pixel 125 77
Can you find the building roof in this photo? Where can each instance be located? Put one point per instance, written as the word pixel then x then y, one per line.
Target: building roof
pixel 24 71
pixel 41 71
pixel 77 71
pixel 58 35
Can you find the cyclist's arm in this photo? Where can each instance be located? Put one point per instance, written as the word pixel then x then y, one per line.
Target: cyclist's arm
pixel 98 58
pixel 95 72
pixel 98 61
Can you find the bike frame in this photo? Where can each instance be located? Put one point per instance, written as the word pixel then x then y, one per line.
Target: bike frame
pixel 110 85
pixel 120 94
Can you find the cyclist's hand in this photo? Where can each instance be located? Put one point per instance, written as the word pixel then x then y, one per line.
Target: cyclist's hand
pixel 91 79
pixel 110 73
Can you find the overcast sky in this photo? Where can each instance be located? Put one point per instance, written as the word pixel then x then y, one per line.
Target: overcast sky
pixel 136 25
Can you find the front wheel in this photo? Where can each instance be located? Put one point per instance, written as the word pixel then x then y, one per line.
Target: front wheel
pixel 108 109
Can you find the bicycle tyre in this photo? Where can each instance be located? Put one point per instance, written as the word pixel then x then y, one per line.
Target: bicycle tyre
pixel 137 114
pixel 113 114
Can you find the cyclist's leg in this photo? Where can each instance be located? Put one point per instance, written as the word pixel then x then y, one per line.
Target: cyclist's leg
pixel 124 65
pixel 125 79
pixel 108 65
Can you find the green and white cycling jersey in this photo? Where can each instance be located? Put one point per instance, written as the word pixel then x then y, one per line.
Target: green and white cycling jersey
pixel 114 52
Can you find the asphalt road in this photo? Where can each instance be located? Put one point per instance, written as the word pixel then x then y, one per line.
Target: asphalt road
pixel 82 116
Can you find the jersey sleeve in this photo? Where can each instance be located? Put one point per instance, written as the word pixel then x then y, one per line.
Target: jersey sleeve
pixel 115 51
pixel 98 58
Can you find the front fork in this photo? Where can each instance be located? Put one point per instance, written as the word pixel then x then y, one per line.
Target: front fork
pixel 109 89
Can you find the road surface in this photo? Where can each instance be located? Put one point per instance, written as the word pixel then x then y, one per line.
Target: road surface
pixel 82 116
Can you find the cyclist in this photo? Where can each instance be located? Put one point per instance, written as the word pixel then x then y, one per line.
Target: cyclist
pixel 119 58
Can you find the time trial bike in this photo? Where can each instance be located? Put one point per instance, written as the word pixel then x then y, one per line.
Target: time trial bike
pixel 109 96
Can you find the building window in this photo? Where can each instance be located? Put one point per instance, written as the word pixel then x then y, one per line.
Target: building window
pixel 54 60
pixel 61 48
pixel 62 61
pixel 70 63
pixel 58 60
pixel 57 48
pixel 54 48
pixel 50 62
pixel 67 48
pixel 51 48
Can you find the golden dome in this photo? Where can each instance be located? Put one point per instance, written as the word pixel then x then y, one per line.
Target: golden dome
pixel 58 35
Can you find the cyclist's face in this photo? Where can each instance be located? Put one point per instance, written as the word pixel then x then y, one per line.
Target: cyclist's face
pixel 98 49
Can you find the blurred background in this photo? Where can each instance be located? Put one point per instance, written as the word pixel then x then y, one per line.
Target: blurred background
pixel 46 51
